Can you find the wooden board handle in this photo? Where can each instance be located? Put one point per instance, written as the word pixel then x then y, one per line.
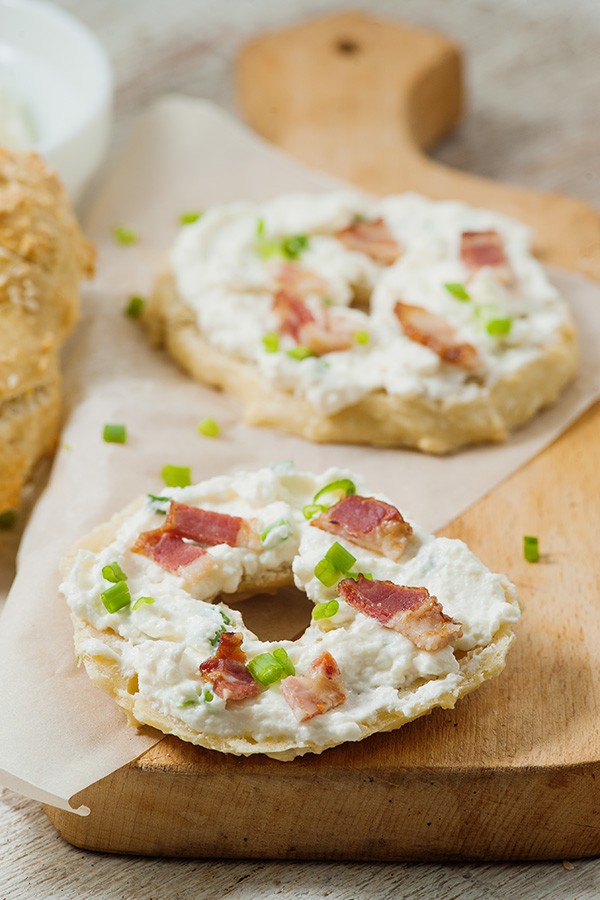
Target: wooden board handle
pixel 363 98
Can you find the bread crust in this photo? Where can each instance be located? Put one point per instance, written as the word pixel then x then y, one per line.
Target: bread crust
pixel 379 419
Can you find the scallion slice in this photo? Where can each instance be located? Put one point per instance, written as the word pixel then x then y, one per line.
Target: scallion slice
pixel 176 476
pixel 281 657
pixel 457 290
pixel 209 428
pixel 143 601
pixel 325 610
pixel 114 573
pixel 339 557
pixel 8 518
pixel 270 342
pixel 278 524
pixel 115 434
pixel 354 575
pixel 531 548
pixel 312 509
pixel 265 669
pixel 207 696
pixel 124 235
pixel 343 487
pixel 134 307
pixel 362 337
pixel 293 246
pixel 499 327
pixel 156 500
pixel 326 573
pixel 300 352
pixel 188 218
pixel 116 597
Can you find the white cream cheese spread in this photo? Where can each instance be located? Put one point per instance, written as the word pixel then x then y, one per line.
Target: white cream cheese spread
pixel 15 129
pixel 226 268
pixel 164 642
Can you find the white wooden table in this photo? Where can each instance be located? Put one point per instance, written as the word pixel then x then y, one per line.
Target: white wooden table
pixel 534 77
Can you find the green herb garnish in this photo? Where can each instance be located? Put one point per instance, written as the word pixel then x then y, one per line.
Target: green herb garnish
pixel 339 557
pixel 531 549
pixel 499 327
pixel 188 218
pixel 155 500
pixel 325 610
pixel 143 601
pixel 271 342
pixel 116 597
pixel 292 247
pixel 176 476
pixel 115 434
pixel 134 307
pixel 457 290
pixel 362 337
pixel 278 524
pixel 267 668
pixel 125 235
pixel 280 655
pixel 209 428
pixel 114 573
pixel 343 487
pixel 300 352
pixel 312 509
pixel 326 573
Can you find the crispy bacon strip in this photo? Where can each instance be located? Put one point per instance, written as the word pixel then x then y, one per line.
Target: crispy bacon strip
pixel 373 238
pixel 205 527
pixel 315 693
pixel 296 319
pixel 367 522
pixel 227 672
pixel 433 331
pixel 479 249
pixel 300 281
pixel 411 611
pixel 169 550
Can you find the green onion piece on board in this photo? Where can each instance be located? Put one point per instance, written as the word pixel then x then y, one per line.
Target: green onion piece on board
pixel 188 218
pixel 115 434
pixel 343 487
pixel 124 235
pixel 326 573
pixel 116 597
pixel 457 290
pixel 134 307
pixel 300 352
pixel 209 428
pixel 281 657
pixel 325 610
pixel 143 601
pixel 499 327
pixel 270 342
pixel 312 509
pixel 531 548
pixel 113 572
pixel 176 476
pixel 8 518
pixel 265 669
pixel 339 557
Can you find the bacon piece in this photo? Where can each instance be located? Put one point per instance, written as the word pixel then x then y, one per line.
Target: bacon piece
pixel 203 526
pixel 226 671
pixel 315 693
pixel 373 238
pixel 169 550
pixel 433 331
pixel 300 281
pixel 411 611
pixel 296 319
pixel 479 249
pixel 367 522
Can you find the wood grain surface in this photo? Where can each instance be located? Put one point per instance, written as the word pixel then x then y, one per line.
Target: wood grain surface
pixel 534 81
pixel 491 779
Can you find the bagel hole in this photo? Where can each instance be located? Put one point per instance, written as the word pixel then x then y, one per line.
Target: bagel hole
pixel 281 616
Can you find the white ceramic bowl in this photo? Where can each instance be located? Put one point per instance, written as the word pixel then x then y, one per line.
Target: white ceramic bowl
pixel 55 74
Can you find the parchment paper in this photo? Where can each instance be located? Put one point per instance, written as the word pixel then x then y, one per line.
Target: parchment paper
pixel 58 732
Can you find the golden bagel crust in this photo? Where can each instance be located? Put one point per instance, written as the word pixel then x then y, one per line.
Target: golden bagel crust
pixel 43 257
pixel 380 419
pixel 476 666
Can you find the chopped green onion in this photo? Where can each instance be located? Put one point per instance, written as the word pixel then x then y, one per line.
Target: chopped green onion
pixel 498 327
pixel 354 575
pixel 8 518
pixel 293 246
pixel 113 572
pixel 188 218
pixel 207 696
pixel 265 669
pixel 457 290
pixel 260 228
pixel 281 657
pixel 215 640
pixel 278 524
pixel 209 428
pixel 192 701
pixel 116 597
pixel 339 557
pixel 326 572
pixel 327 301
pixel 225 618
pixel 271 342
pixel 134 307
pixel 362 337
pixel 300 352
pixel 155 500
pixel 124 235
pixel 143 601
pixel 531 549
pixel 312 509
pixel 343 487
pixel 115 434
pixel 325 610
pixel 176 476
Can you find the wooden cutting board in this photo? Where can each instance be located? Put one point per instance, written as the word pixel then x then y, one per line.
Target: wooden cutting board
pixel 514 771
